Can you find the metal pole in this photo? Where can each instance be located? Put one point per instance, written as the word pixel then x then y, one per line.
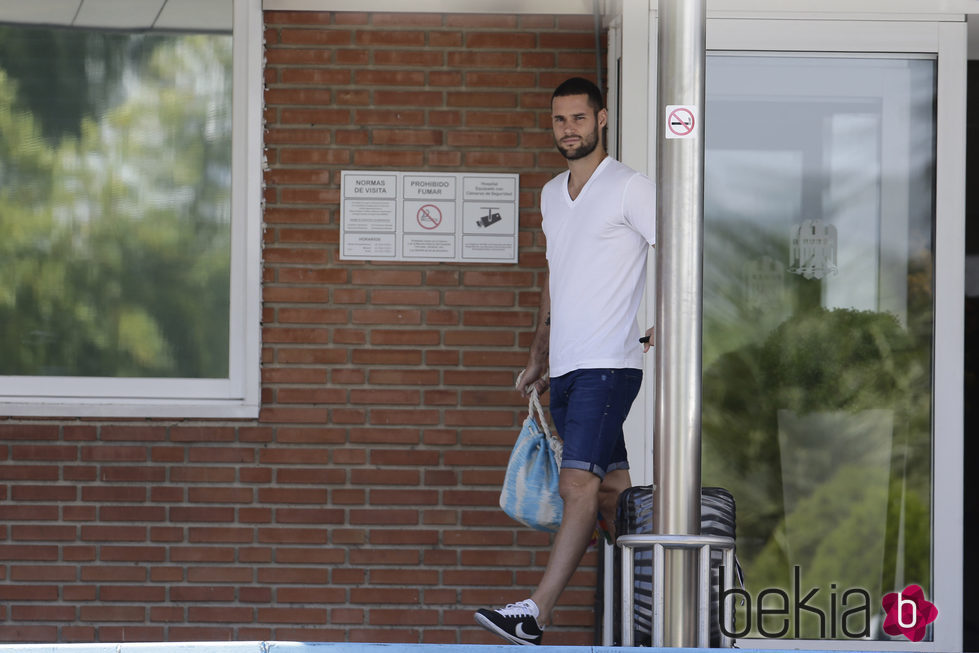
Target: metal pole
pixel 679 301
pixel 608 592
pixel 628 597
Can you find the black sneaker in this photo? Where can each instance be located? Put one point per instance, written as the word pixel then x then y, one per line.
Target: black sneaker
pixel 516 622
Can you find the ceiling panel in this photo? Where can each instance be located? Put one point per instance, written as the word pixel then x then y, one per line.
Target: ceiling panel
pixel 197 14
pixel 118 14
pixel 189 15
pixel 46 12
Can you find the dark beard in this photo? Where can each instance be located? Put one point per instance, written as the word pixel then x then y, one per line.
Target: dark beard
pixel 587 147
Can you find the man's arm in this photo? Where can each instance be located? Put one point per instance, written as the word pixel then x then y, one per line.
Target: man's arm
pixel 536 372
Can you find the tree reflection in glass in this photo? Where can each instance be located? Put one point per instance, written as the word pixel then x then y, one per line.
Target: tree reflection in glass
pixel 817 391
pixel 115 203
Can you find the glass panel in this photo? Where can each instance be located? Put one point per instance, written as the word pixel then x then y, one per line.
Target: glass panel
pixel 818 325
pixel 115 203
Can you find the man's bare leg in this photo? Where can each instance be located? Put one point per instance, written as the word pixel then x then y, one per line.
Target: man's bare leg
pixel 580 491
pixel 616 482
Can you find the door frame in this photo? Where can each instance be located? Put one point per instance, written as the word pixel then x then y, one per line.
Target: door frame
pixel 945 38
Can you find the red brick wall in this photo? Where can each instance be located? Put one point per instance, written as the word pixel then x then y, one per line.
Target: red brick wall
pixel 362 505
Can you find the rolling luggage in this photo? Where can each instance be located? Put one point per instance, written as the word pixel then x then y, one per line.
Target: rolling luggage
pixel 635 516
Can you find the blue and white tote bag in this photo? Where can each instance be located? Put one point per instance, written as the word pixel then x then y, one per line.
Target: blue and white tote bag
pixel 530 489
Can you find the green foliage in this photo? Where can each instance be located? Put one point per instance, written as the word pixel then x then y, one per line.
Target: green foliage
pixel 115 239
pixel 839 359
pixel 85 67
pixel 848 552
pixel 849 507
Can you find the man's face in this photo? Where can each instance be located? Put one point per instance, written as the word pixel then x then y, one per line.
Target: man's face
pixel 577 126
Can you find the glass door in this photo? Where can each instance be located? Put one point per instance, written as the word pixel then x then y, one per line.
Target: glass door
pixel 819 332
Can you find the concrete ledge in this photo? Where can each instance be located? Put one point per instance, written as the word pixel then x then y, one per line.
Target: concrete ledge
pixel 325 647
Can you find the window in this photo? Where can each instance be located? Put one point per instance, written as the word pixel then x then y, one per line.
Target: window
pixel 130 209
pixel 819 328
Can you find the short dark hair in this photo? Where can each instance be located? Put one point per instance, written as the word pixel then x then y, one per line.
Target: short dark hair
pixel 581 86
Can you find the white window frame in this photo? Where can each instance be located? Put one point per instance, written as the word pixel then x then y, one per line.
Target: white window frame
pixel 238 395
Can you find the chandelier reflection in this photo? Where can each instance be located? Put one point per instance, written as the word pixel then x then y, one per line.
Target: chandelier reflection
pixel 813 251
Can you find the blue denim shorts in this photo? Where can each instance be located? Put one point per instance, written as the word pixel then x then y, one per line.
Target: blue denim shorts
pixel 588 408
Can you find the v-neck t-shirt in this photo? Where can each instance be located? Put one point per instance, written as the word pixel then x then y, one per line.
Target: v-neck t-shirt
pixel 596 254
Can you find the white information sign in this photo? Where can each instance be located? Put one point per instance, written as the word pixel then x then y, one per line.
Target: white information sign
pixel 421 216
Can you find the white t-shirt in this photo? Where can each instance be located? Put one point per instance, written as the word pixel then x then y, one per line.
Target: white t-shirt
pixel 596 254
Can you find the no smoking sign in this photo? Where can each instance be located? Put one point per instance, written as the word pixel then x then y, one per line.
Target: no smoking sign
pixel 681 121
pixel 429 217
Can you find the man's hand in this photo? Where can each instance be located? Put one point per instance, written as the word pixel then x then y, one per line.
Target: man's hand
pixel 534 375
pixel 647 341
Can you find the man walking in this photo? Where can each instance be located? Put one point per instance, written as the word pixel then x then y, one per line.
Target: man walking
pixel 598 218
